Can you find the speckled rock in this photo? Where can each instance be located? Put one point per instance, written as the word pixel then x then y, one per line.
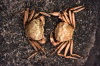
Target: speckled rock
pixel 15 48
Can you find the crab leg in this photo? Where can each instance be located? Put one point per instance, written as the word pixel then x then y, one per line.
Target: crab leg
pixel 70 17
pixel 36 15
pixel 79 10
pixel 32 55
pixel 66 49
pixel 26 16
pixel 73 20
pixel 66 17
pixel 42 41
pixel 34 48
pixel 43 13
pixel 61 48
pixel 71 50
pixel 42 19
pixel 38 46
pixel 76 7
pixel 55 13
pixel 33 45
pixel 58 48
pixel 52 40
pixel 32 14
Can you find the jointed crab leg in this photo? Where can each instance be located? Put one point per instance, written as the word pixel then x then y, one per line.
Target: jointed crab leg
pixel 79 10
pixel 42 41
pixel 66 17
pixel 32 55
pixel 61 48
pixel 55 13
pixel 45 14
pixel 38 46
pixel 71 50
pixel 26 16
pixel 73 20
pixel 76 7
pixel 42 19
pixel 33 45
pixel 70 17
pixel 31 15
pixel 58 48
pixel 52 40
pixel 66 49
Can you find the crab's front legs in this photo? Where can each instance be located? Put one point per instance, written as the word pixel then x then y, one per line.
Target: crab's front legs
pixel 53 41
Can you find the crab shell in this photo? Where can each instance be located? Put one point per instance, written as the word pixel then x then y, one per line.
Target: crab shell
pixel 35 29
pixel 63 32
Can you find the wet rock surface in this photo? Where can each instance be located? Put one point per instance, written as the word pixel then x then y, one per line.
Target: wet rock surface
pixel 15 48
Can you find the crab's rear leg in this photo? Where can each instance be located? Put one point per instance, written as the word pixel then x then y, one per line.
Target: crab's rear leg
pixel 26 13
pixel 58 48
pixel 66 51
pixel 71 50
pixel 37 47
pixel 61 48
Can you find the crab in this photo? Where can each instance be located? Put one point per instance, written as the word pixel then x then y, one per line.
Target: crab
pixel 64 31
pixel 34 29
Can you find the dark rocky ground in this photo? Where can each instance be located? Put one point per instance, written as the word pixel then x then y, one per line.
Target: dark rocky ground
pixel 15 48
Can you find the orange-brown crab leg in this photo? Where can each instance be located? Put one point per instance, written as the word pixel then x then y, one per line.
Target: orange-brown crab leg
pixel 75 8
pixel 25 16
pixel 33 45
pixel 32 55
pixel 55 13
pixel 58 47
pixel 31 15
pixel 43 40
pixel 42 19
pixel 70 16
pixel 45 14
pixel 36 47
pixel 66 51
pixel 71 50
pixel 79 10
pixel 66 17
pixel 61 48
pixel 52 40
pixel 73 20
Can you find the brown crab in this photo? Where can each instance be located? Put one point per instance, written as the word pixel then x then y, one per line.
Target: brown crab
pixel 34 29
pixel 64 32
